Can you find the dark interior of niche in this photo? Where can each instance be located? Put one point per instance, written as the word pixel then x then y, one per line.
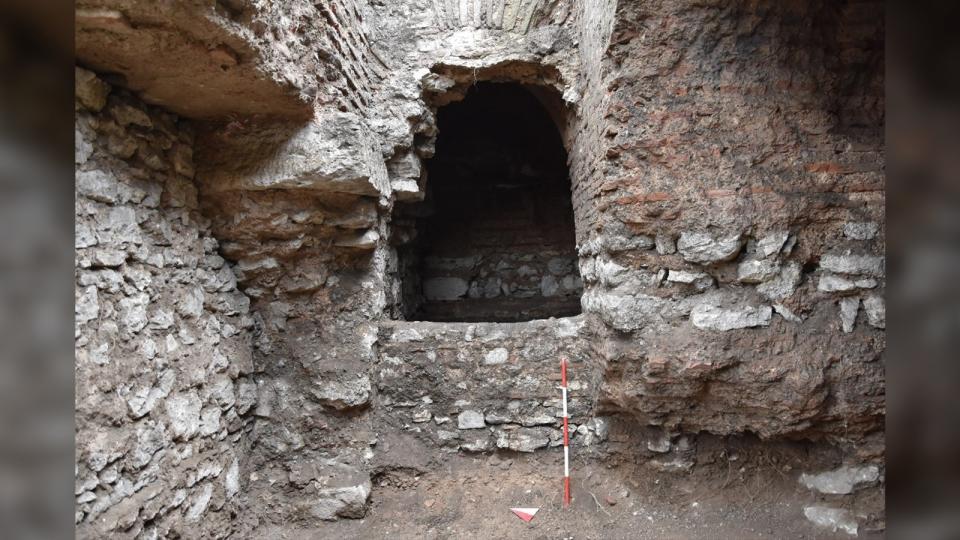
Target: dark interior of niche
pixel 494 238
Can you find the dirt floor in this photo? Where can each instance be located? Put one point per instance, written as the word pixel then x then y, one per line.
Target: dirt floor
pixel 733 493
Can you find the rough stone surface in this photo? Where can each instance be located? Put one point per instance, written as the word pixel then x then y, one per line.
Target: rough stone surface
pixel 709 317
pixel 841 481
pixel 861 230
pixel 470 420
pixel 847 263
pixel 704 248
pixel 835 519
pixel 91 91
pixel 622 311
pixel 849 307
pixel 159 354
pixel 183 412
pixel 523 439
pixel 666 245
pixel 786 313
pixel 772 243
pixel 333 153
pixel 834 283
pixel 700 280
pixel 876 310
pixel 784 285
pixel 496 356
pixel 344 493
pixel 476 443
pixel 757 271
pixel 342 395
pixel 659 446
pixel 444 370
pixel 114 36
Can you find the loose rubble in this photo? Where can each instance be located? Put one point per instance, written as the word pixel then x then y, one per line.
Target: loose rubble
pixel 841 481
pixel 834 519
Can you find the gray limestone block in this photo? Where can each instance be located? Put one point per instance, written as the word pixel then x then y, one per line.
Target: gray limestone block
pixel 183 413
pixel 784 285
pixel 771 244
pixel 342 394
pixel 757 271
pixel 849 263
pixel 475 442
pixel 712 317
pixel 665 244
pixel 700 280
pixel 470 420
pixel 703 248
pixel 834 519
pixel 523 439
pixel 848 313
pixel 841 481
pixel 624 312
pixel 496 356
pixel 862 230
pixel 875 308
pixel 335 152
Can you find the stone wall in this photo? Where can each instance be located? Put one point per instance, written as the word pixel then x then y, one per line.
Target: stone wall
pixel 306 236
pixel 712 185
pixel 738 195
pixel 164 392
pixel 727 175
pixel 486 386
pixel 491 283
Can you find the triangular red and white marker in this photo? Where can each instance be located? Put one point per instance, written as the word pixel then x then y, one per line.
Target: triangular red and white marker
pixel 525 514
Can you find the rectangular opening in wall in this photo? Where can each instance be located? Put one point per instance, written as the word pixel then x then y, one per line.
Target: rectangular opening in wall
pixel 494 239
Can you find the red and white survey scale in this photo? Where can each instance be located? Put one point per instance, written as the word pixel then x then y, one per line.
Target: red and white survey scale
pixel 527 514
pixel 566 434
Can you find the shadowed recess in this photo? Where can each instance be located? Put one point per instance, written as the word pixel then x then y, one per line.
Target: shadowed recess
pixel 496 238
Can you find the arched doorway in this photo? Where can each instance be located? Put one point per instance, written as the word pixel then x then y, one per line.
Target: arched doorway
pixel 495 236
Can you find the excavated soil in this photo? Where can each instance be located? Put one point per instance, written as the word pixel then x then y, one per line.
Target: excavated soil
pixel 736 492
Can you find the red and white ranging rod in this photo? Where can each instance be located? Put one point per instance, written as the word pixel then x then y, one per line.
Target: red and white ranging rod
pixel 566 434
